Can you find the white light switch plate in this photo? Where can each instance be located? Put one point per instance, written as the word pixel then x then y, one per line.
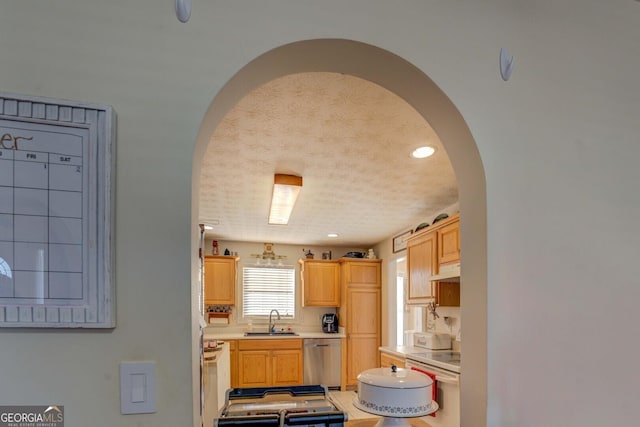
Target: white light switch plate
pixel 137 387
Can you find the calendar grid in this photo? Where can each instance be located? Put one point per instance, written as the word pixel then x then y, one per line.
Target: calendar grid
pixel 46 219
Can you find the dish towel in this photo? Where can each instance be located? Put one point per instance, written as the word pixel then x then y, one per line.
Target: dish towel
pixel 434 386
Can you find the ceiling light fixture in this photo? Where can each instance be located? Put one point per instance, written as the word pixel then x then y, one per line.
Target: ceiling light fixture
pixel 332 235
pixel 285 192
pixel 422 152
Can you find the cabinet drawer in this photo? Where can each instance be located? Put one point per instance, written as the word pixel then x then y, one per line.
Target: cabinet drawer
pixel 270 344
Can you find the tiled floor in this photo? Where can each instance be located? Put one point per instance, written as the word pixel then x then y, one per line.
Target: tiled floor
pixel 358 418
pixel 344 399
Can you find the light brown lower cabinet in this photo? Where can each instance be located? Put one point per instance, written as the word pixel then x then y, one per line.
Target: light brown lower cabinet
pixel 364 356
pixel 287 367
pixel 387 360
pixel 269 362
pixel 254 368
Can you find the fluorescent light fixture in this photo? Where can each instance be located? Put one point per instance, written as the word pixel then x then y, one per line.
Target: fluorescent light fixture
pixel 208 227
pixel 332 235
pixel 422 152
pixel 285 192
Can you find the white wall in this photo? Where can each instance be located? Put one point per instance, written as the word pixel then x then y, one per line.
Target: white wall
pixel 559 143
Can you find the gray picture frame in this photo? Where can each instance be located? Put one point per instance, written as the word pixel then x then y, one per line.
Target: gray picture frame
pixel 30 128
pixel 399 241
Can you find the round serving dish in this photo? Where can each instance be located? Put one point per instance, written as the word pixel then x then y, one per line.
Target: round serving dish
pixel 398 392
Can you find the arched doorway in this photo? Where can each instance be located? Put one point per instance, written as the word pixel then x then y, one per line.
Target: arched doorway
pixel 415 87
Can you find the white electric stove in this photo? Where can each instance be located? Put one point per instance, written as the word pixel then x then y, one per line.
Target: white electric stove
pixel 443 366
pixel 444 359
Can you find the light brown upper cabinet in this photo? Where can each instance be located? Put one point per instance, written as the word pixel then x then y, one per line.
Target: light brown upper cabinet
pixel 449 242
pixel 220 274
pixel 427 250
pixel 320 283
pixel 422 262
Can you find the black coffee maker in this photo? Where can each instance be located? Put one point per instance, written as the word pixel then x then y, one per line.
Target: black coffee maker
pixel 330 323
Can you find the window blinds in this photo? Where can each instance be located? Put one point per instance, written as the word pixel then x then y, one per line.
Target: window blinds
pixel 266 289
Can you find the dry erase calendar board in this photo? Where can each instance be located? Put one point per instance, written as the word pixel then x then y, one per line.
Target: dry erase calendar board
pixel 56 210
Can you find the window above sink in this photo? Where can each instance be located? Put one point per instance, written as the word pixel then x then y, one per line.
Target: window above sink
pixel 268 288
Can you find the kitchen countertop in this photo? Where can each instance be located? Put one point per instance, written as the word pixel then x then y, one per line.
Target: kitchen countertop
pixel 404 350
pixel 213 355
pixel 444 360
pixel 239 335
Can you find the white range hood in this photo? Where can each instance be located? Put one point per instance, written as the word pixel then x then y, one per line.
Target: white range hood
pixel 448 273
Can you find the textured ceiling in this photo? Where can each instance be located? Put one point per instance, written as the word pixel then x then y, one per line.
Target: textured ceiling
pixel 348 138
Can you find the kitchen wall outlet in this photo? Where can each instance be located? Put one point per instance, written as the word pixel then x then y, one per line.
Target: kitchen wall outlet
pixel 137 387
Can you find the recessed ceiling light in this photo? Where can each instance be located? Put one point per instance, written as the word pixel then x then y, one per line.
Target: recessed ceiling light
pixel 422 152
pixel 332 235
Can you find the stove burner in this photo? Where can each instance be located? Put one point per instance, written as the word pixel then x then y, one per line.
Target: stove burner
pixel 280 406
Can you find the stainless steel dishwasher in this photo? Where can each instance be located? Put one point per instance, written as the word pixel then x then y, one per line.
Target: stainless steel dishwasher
pixel 322 361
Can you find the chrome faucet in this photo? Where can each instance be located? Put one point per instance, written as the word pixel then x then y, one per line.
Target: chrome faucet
pixel 272 325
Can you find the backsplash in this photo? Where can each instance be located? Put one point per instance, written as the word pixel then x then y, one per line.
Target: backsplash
pixel 453 313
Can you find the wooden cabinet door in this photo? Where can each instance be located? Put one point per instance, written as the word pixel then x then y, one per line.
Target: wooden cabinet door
pixel 360 316
pixel 254 368
pixel 364 311
pixel 287 367
pixel 320 283
pixel 271 362
pixel 362 273
pixel 233 362
pixel 449 243
pixel 386 360
pixel 447 294
pixel 219 280
pixel 421 264
pixel 363 351
pixel 363 329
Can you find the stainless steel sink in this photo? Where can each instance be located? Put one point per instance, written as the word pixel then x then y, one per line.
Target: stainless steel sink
pixel 268 334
